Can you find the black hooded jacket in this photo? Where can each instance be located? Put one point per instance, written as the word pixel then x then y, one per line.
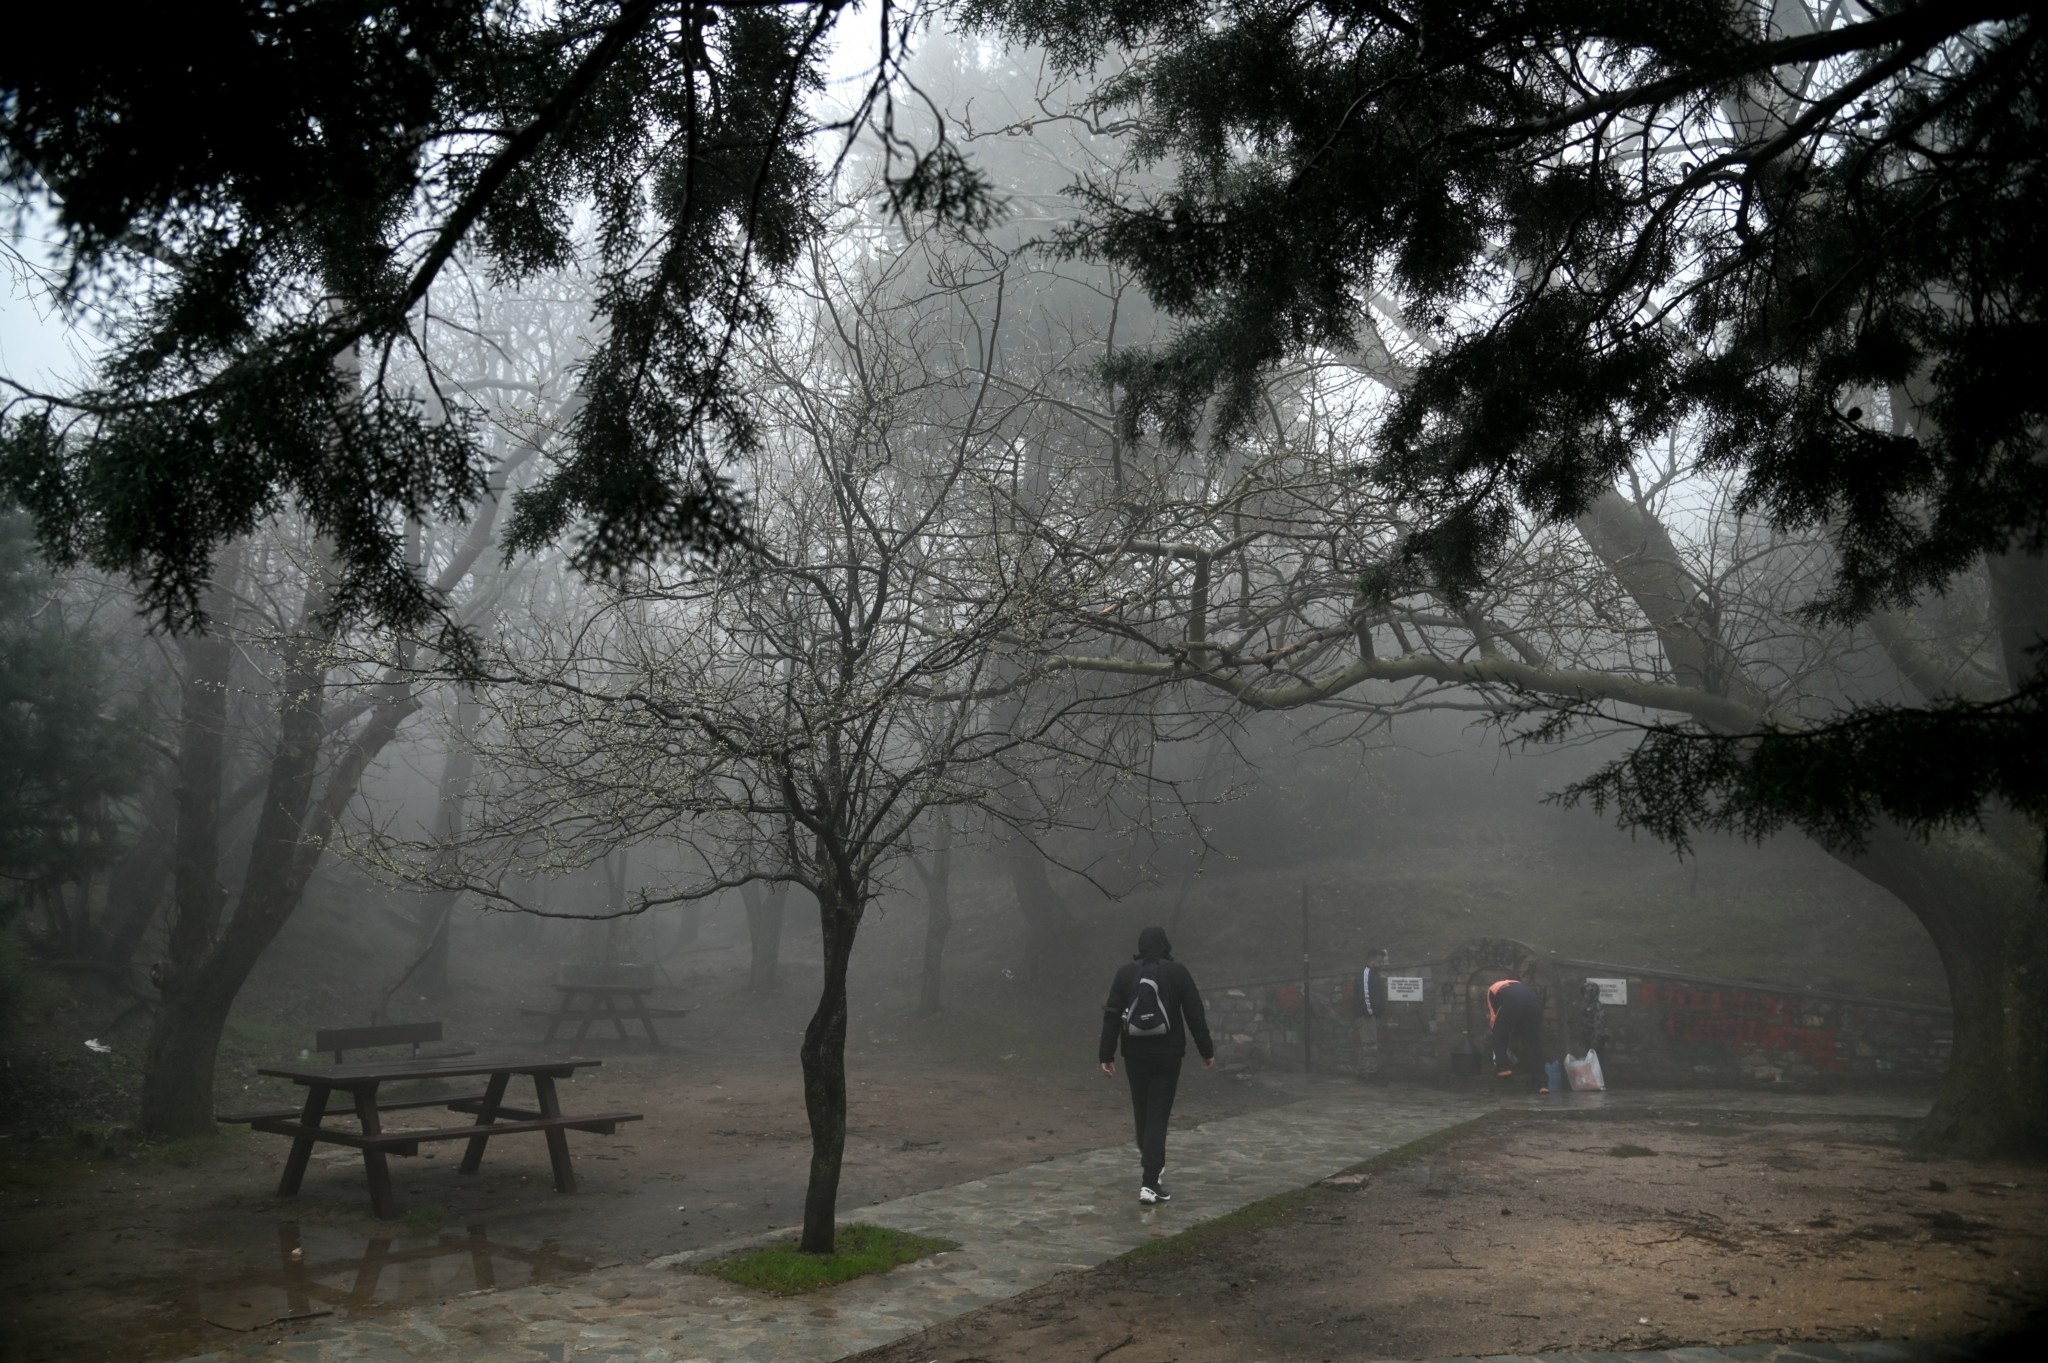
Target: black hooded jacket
pixel 1183 1006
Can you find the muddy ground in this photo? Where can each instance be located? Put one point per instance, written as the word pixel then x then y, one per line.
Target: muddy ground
pixel 110 1249
pixel 1548 1233
pixel 140 1255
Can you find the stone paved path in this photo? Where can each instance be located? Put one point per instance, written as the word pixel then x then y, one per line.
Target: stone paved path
pixel 1015 1231
pixel 1874 1351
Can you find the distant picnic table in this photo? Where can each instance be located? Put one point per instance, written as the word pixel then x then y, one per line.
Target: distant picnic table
pixel 310 1124
pixel 603 992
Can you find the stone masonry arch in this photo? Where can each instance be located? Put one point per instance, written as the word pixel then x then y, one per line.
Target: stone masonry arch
pixel 1483 961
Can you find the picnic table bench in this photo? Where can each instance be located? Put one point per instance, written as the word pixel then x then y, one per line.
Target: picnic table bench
pixel 308 1126
pixel 588 993
pixel 342 1040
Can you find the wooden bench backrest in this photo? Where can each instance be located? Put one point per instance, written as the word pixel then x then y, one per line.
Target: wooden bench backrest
pixel 626 976
pixel 339 1039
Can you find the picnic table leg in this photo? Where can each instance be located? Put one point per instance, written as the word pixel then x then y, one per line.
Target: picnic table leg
pixel 589 1016
pixel 486 1113
pixel 558 1139
pixel 646 1020
pixel 364 1290
pixel 611 1005
pixel 555 1018
pixel 480 1258
pixel 375 1162
pixel 302 1145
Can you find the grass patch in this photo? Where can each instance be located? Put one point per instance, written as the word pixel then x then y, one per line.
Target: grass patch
pixel 1273 1210
pixel 1628 1151
pixel 422 1222
pixel 860 1250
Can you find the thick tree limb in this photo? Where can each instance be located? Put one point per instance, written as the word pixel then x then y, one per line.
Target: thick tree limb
pixel 1572 684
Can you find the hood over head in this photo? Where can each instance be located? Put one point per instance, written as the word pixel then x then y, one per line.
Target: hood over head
pixel 1153 946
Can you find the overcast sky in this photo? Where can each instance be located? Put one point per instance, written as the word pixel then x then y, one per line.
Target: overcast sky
pixel 36 347
pixel 39 350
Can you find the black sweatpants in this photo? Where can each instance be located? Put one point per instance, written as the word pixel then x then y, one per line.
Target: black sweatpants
pixel 1518 1040
pixel 1153 1080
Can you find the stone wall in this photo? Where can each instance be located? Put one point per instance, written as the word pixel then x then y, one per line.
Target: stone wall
pixel 1673 1029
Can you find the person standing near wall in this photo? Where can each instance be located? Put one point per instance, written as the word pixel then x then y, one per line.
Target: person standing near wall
pixel 1153 1009
pixel 1589 1024
pixel 1515 1011
pixel 1369 1016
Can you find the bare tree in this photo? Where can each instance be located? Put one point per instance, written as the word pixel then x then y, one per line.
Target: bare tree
pixel 798 717
pixel 935 871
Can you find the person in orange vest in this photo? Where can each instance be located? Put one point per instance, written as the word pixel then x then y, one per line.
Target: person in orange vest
pixel 1515 1012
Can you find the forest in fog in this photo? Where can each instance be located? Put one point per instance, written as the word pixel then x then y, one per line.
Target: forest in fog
pixel 725 485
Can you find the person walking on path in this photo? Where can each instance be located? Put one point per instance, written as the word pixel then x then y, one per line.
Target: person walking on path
pixel 1369 1015
pixel 1153 1009
pixel 1515 1011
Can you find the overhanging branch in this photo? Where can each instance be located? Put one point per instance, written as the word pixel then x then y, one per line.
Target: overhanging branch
pixel 1263 693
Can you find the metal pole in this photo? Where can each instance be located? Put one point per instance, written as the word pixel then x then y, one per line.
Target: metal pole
pixel 1306 1009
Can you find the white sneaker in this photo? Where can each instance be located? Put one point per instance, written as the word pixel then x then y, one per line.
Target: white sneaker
pixel 1149 1195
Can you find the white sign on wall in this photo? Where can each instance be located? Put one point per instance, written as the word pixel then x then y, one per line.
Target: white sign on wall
pixel 1404 989
pixel 1612 991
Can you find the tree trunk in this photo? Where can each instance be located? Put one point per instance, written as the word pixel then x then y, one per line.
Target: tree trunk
pixel 177 1085
pixel 1639 551
pixel 764 932
pixel 1986 914
pixel 824 1068
pixel 136 887
pixel 689 924
pixel 1048 924
pixel 437 911
pixel 938 915
pixel 203 976
pixel 178 1064
pixel 205 973
pixel 614 868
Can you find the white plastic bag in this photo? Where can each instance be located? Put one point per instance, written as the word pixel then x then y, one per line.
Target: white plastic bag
pixel 1584 1075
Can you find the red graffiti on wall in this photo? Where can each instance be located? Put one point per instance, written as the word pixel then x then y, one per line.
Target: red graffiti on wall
pixel 1741 1020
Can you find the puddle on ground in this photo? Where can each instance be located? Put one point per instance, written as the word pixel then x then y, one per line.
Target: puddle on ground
pixel 325 1269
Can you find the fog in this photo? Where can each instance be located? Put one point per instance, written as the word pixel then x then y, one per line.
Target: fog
pixel 1089 676
pixel 843 679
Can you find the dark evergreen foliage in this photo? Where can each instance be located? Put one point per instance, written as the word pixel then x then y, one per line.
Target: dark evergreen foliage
pixel 1924 769
pixel 253 190
pixel 70 744
pixel 1819 247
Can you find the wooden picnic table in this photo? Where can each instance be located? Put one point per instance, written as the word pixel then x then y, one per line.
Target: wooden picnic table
pixel 492 1116
pixel 584 1001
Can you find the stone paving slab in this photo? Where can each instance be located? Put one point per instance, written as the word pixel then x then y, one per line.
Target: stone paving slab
pixel 1871 1351
pixel 1015 1231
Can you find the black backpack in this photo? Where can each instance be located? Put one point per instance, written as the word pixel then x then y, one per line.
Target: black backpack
pixel 1147 1013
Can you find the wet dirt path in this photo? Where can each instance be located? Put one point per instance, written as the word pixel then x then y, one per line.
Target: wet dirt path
pixel 130 1259
pixel 1649 1225
pixel 1033 1230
